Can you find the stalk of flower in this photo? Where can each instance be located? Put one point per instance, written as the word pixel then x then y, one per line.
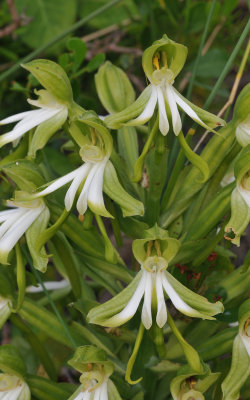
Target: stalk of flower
pixel 16 221
pixel 151 283
pixel 162 62
pixel 13 388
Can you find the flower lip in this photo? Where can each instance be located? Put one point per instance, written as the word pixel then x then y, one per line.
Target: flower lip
pixel 155 264
pixel 163 76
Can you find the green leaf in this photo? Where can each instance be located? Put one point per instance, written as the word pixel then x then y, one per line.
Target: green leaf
pixel 11 361
pixel 95 62
pixel 48 18
pixel 79 50
pixel 26 174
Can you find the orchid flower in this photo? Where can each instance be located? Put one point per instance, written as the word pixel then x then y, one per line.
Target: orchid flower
pixel 49 117
pixel 94 392
pixel 96 172
pixel 151 283
pixel 162 62
pixel 13 388
pixel 15 222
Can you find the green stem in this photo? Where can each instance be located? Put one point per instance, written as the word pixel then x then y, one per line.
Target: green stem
pixel 132 359
pixel 227 66
pixel 59 317
pixel 71 29
pixel 139 163
pixel 21 278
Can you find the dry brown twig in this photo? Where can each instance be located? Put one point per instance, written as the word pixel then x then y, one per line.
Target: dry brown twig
pixel 17 20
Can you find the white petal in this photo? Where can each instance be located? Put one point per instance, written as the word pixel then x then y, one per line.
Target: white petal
pixel 149 109
pixel 16 117
pixel 59 183
pixel 53 285
pixel 82 202
pixel 177 300
pixel 95 193
pixel 11 219
pixel 129 311
pixel 176 119
pixel 11 237
pixel 5 214
pixel 161 317
pixel 146 315
pixel 71 192
pixel 163 119
pixel 35 118
pixel 192 114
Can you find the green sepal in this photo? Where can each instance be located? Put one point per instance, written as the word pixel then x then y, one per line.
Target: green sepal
pixel 239 371
pixel 52 77
pixel 176 55
pixel 187 384
pixel 113 393
pixel 242 164
pixel 45 130
pixel 209 120
pixel 11 361
pixel 19 153
pixel 114 88
pixel 25 173
pixel 101 314
pixel 112 187
pixel 242 105
pixel 117 120
pixel 85 355
pixel 169 246
pixel 204 308
pixel 40 258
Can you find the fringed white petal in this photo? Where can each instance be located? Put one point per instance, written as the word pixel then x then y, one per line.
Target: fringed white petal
pixel 146 315
pixel 71 192
pixel 176 119
pixel 5 214
pixel 163 119
pixel 188 110
pixel 129 311
pixel 59 183
pixel 149 109
pixel 177 300
pixel 161 317
pixel 103 392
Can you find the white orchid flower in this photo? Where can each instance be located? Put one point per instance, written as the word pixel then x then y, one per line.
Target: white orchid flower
pixel 15 222
pixel 5 310
pixel 90 175
pixel 151 283
pixel 13 388
pixel 50 116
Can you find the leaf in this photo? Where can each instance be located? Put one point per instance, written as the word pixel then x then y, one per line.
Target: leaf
pixel 48 18
pixel 79 50
pixel 95 62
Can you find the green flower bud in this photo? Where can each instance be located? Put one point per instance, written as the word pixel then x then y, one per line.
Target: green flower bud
pixel 114 88
pixel 164 57
pixel 52 77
